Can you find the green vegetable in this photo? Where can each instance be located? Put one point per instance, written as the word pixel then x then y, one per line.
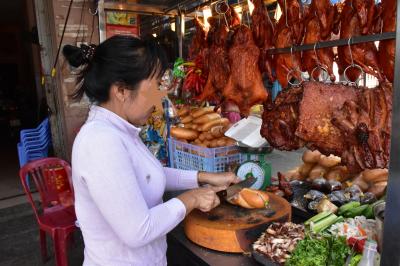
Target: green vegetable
pixel 348 206
pixel 369 212
pixel 309 252
pixel 338 251
pixel 355 260
pixel 323 224
pixel 320 251
pixel 317 217
pixel 356 211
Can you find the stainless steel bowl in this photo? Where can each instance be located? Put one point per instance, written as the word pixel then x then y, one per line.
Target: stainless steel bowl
pixel 379 212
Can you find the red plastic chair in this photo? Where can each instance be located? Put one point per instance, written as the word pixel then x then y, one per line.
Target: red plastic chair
pixel 52 177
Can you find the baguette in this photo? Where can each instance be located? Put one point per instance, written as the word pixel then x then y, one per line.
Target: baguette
pixel 184 133
pixel 217 131
pixel 217 122
pixel 250 199
pixel 329 161
pixel 187 119
pixel 372 175
pixel 206 118
pixel 202 111
pixel 184 111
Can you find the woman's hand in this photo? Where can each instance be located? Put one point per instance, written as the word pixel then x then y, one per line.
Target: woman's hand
pixel 218 179
pixel 204 199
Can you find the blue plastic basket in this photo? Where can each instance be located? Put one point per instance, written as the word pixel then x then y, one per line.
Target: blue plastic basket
pixel 191 157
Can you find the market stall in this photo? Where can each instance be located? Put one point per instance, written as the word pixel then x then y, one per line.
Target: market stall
pixel 301 100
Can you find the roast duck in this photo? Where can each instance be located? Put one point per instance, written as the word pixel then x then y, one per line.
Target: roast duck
pixel 245 86
pixel 346 121
pixel 322 19
pixel 216 61
pixel 263 33
pixel 387 47
pixel 289 32
pixel 199 43
pixel 358 17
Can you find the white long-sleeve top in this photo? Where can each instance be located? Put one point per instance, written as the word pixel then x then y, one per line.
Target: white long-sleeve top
pixel 118 187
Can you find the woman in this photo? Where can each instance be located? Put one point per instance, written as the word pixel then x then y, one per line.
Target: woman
pixel 118 183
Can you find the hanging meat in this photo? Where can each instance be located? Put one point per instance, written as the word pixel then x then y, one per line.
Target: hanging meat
pixel 366 125
pixel 245 86
pixel 316 108
pixel 350 122
pixel 387 47
pixel 263 33
pixel 357 19
pixel 289 32
pixel 217 62
pixel 199 39
pixel 280 119
pixel 319 25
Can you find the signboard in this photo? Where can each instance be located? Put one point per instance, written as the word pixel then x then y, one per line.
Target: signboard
pixel 121 22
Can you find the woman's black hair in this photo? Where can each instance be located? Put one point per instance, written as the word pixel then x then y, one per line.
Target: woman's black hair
pixel 121 60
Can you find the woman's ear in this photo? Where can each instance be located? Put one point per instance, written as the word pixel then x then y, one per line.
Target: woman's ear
pixel 118 93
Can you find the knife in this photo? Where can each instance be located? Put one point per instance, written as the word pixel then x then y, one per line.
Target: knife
pixel 236 188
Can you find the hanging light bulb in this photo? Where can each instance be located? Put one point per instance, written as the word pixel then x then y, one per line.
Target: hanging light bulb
pixel 251 6
pixel 206 14
pixel 154 35
pixel 278 13
pixel 173 26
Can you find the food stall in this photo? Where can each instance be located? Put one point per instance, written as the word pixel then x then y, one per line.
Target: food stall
pixel 318 150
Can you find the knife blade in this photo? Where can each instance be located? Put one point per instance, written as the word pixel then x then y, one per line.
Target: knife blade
pixel 234 189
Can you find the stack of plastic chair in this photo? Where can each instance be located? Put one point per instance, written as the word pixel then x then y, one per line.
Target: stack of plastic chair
pixel 34 143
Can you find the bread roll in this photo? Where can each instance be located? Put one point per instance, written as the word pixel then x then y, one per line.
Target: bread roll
pixel 202 136
pixel 184 133
pixel 206 118
pixel 202 111
pixel 373 175
pixel 251 199
pixel 329 161
pixel 217 131
pixel 359 181
pixel 317 171
pixel 378 189
pixel 311 156
pixel 339 173
pixel 209 136
pixel 305 169
pixel 187 119
pixel 184 111
pixel 217 122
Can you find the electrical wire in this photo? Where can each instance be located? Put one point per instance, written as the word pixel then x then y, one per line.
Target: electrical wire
pixel 53 71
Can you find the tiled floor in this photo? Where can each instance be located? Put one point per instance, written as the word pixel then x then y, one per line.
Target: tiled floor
pixel 10 185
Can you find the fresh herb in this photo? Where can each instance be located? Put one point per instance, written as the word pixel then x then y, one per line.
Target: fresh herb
pixel 310 252
pixel 355 260
pixel 320 251
pixel 338 251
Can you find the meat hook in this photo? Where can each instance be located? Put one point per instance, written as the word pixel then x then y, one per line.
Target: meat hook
pixel 287 24
pixel 319 66
pixel 352 65
pixel 292 71
pixel 220 12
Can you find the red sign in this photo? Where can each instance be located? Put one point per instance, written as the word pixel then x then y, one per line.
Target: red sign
pixel 121 30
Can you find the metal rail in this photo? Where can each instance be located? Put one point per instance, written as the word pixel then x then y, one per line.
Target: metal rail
pixel 334 43
pixel 391 233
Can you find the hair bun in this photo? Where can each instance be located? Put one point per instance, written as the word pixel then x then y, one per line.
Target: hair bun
pixel 76 56
pixel 88 51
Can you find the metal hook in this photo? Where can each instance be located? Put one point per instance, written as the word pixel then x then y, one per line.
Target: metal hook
pixel 287 24
pixel 95 11
pixel 315 52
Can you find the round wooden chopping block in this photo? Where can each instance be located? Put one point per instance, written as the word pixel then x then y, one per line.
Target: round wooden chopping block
pixel 232 228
